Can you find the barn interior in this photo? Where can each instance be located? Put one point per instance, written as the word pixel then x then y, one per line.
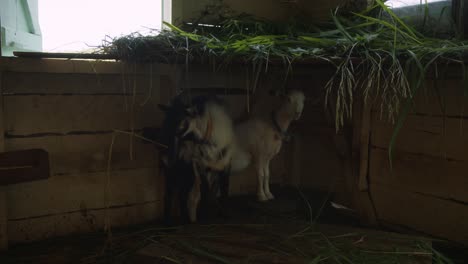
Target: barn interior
pixel 372 171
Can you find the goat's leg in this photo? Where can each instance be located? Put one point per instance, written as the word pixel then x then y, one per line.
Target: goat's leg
pixel 168 200
pixel 266 183
pixel 261 181
pixel 194 196
pixel 224 182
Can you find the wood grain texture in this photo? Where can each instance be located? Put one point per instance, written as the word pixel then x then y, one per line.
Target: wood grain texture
pixel 421 174
pixel 23 166
pixel 81 221
pixel 3 201
pixel 84 191
pixel 446 138
pixel 27 115
pixel 426 214
pixel 79 83
pixel 75 66
pixel 89 153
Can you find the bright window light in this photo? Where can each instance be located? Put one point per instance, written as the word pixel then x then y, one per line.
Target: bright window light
pixel 81 25
pixel 403 3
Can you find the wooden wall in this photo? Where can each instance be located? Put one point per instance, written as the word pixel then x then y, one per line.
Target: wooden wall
pixel 71 108
pixel 427 188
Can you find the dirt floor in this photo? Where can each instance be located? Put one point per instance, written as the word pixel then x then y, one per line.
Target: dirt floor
pixel 280 231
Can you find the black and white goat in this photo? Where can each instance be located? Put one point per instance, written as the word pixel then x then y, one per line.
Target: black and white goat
pixel 197 133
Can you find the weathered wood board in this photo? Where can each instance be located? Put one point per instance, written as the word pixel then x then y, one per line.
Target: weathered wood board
pixel 90 152
pixel 23 166
pixel 427 214
pixel 81 221
pixel 31 115
pixel 39 83
pixel 83 191
pixel 446 179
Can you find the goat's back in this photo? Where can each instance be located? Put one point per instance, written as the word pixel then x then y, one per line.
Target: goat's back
pixel 223 129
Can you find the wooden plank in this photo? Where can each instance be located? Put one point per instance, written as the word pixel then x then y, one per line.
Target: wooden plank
pixel 422 174
pixel 23 166
pixel 87 191
pixel 3 201
pixel 89 153
pixel 323 168
pixel 206 78
pixel 29 115
pixel 433 136
pixel 444 97
pixel 79 83
pixel 438 217
pixel 358 200
pixel 3 220
pixel 2 114
pixel 64 55
pixel 76 66
pixel 82 221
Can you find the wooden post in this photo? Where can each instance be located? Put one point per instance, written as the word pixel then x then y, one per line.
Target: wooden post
pixel 357 166
pixel 3 204
pixel 3 220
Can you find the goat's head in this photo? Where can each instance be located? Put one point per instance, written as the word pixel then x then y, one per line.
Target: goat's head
pixel 183 122
pixel 173 128
pixel 294 103
pixel 193 123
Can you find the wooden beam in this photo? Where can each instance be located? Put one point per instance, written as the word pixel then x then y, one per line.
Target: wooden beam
pixel 70 65
pixel 59 55
pixel 23 166
pixel 357 166
pixel 3 204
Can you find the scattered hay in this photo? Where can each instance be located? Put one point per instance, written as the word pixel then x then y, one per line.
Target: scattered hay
pixel 269 243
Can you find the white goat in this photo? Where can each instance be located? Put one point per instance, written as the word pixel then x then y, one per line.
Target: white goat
pixel 258 140
pixel 255 140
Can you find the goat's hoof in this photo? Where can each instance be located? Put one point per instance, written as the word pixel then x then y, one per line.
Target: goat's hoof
pixel 269 196
pixel 262 198
pixel 192 220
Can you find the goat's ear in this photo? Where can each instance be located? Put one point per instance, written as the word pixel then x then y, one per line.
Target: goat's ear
pixel 163 108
